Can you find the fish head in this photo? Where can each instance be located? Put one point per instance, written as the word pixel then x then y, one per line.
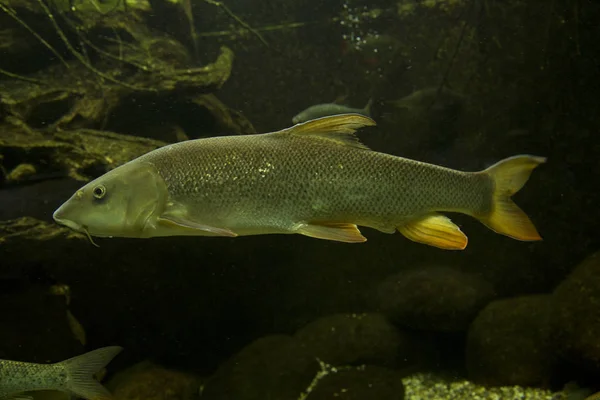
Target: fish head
pixel 124 202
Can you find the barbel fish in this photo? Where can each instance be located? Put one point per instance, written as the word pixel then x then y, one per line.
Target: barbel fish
pixel 314 179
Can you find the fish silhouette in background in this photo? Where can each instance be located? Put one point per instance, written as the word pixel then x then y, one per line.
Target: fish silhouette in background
pixel 329 109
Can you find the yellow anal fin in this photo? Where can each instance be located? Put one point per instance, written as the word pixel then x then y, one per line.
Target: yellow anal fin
pixel 506 218
pixel 339 232
pixel 435 230
pixel 337 129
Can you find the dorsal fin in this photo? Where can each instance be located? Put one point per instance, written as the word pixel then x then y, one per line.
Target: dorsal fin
pixel 336 128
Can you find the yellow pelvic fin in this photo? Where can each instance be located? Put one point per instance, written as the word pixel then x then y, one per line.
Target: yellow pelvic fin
pixel 435 230
pixel 340 232
pixel 337 129
pixel 506 217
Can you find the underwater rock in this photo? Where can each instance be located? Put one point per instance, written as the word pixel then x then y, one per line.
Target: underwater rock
pixel 354 339
pixel 137 69
pixel 44 130
pixel 510 343
pixel 433 298
pixel 72 98
pixel 576 315
pixel 20 172
pixel 272 367
pixel 360 383
pixel 282 368
pixel 73 152
pixel 32 229
pixel 35 325
pixel 147 381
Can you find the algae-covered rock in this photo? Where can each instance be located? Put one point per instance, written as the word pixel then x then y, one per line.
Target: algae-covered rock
pixel 355 339
pixel 433 298
pixel 576 315
pixel 72 151
pixel 147 381
pixel 50 121
pixel 510 343
pixel 283 368
pixel 273 367
pixel 61 97
pixel 134 68
pixel 28 228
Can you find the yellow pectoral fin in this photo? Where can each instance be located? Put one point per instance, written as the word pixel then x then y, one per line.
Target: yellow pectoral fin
pixel 340 232
pixel 435 230
pixel 186 226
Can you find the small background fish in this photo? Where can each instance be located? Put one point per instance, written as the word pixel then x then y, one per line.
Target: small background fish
pixel 328 109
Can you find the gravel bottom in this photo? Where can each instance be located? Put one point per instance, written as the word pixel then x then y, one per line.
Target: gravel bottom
pixel 432 387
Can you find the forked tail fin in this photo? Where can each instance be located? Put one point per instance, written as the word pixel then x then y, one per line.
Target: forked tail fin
pixel 81 370
pixel 505 217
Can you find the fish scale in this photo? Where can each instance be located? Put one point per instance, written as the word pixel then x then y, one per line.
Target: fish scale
pixel 15 375
pixel 278 181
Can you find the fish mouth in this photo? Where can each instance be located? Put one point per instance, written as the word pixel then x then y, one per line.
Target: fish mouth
pixel 68 223
pixel 59 219
pixel 75 226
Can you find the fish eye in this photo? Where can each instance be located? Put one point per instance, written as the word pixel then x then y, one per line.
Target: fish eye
pixel 99 191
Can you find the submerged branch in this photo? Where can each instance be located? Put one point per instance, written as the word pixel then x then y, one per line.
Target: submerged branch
pixel 118 58
pixel 20 77
pixel 268 28
pixel 14 16
pixel 82 59
pixel 238 20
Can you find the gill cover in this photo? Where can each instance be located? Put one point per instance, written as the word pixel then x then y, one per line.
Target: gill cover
pixel 124 202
